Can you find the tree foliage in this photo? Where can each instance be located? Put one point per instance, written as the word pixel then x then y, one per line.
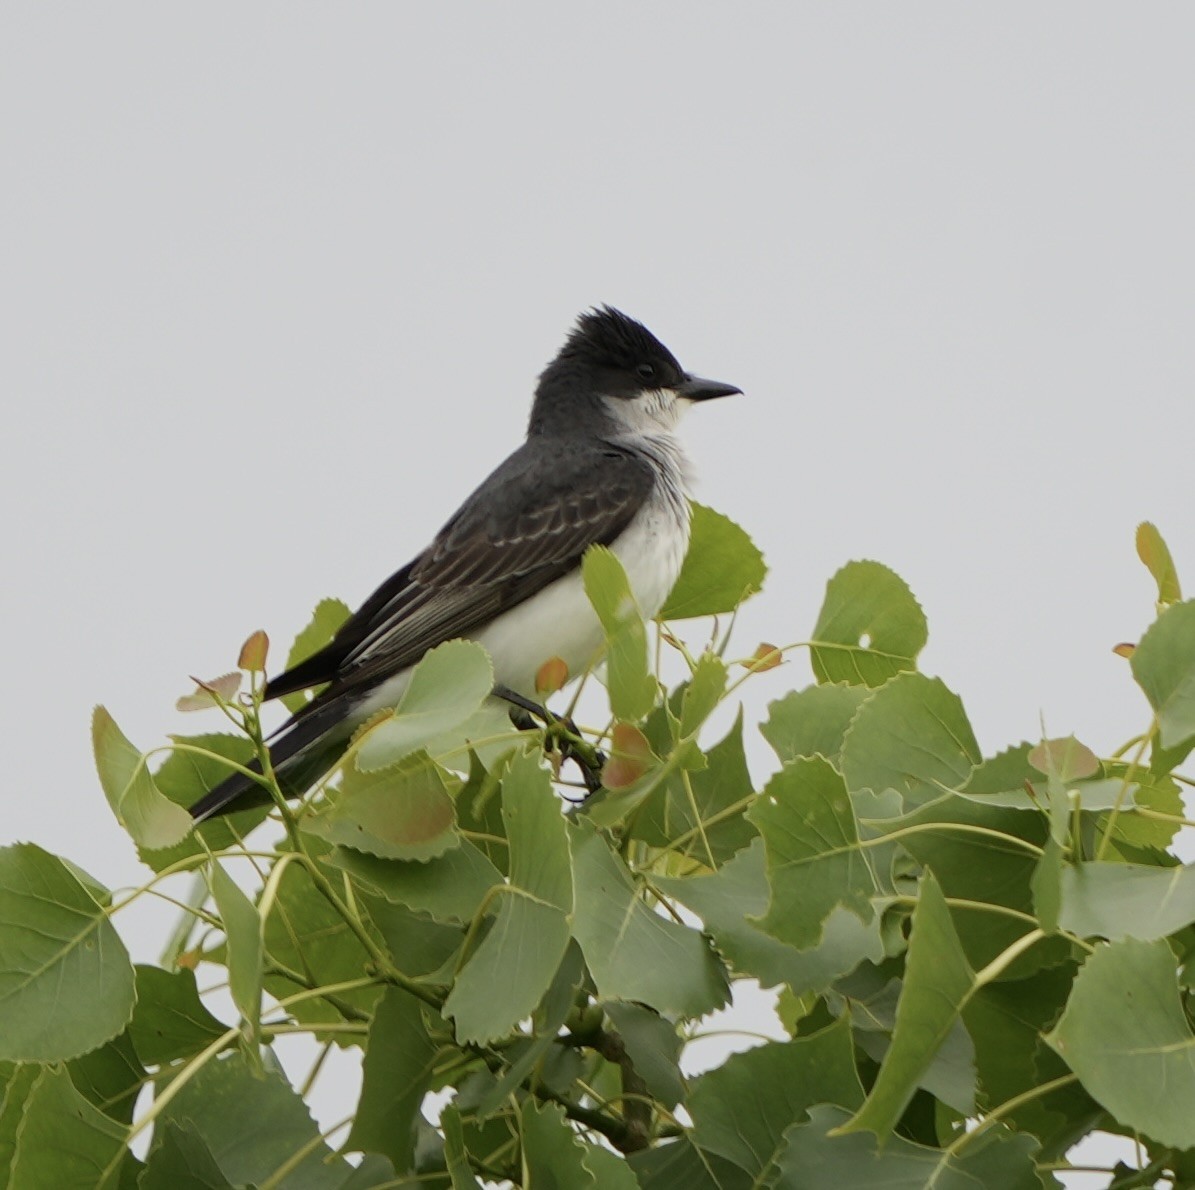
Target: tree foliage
pixel 980 960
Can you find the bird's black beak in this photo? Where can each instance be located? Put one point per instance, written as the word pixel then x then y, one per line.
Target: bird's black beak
pixel 696 388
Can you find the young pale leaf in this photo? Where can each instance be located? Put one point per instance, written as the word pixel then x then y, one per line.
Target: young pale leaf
pixel 398 1071
pixel 912 736
pixel 179 1160
pixel 633 953
pixel 736 896
pixel 1164 666
pixel 325 621
pixel 721 568
pixel 253 1125
pixel 814 860
pixel 813 721
pixel 449 888
pixel 64 1141
pixel 243 929
pixel 742 1109
pixel 152 820
pixel 1067 759
pixel 937 983
pixel 510 970
pixel 1126 1036
pixel 632 687
pixel 402 812
pixel 66 983
pixel 170 1021
pixel 1153 551
pixel 870 627
pixel 820 1157
pixel 210 693
pixel 447 687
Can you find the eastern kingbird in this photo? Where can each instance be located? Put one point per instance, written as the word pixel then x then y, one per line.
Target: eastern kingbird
pixel 601 466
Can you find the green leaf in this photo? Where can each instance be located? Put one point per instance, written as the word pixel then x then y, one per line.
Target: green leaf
pixel 110 1078
pixel 813 721
pixel 734 897
pixel 1124 1033
pixel 1118 900
pixel 169 1020
pixel 398 1072
pixel 721 568
pixel 552 1154
pixel 814 860
pixel 66 983
pixel 179 1160
pixel 64 1142
pixel 1153 551
pixel 401 812
pixel 185 777
pixel 243 929
pixel 703 692
pixel 912 736
pixel 936 985
pixel 742 1109
pixel 152 820
pixel 306 934
pixel 325 622
pixel 706 806
pixel 682 1166
pixel 1006 1021
pixel 456 1157
pixel 1164 666
pixel 12 1108
pixel 449 888
pixel 251 1146
pixel 869 629
pixel 546 1021
pixel 654 1047
pixel 628 676
pixel 446 688
pixel 419 947
pixel 510 970
pixel 632 952
pixel 819 1157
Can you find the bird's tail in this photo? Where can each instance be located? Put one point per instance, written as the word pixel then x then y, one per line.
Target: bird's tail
pixel 306 749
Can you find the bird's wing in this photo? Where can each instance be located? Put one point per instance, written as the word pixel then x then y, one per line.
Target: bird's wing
pixel 527 525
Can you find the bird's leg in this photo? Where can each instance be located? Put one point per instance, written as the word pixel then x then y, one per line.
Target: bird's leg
pixel 562 730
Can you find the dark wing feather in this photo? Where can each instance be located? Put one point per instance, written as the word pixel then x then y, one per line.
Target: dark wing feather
pixel 527 525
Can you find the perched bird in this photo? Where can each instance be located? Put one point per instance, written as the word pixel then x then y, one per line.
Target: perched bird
pixel 601 465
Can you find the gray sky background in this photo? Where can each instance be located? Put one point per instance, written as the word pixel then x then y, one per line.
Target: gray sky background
pixel 277 281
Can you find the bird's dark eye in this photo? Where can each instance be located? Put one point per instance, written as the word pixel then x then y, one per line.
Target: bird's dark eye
pixel 647 371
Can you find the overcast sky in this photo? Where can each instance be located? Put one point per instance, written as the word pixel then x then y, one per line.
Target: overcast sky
pixel 277 280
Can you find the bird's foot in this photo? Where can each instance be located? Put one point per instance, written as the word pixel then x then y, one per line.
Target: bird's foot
pixel 559 731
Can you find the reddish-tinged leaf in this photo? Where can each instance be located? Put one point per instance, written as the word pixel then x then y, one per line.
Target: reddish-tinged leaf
pixel 630 757
pixel 765 657
pixel 1153 551
pixel 254 652
pixel 551 676
pixel 1067 758
pixel 210 693
pixel 1124 649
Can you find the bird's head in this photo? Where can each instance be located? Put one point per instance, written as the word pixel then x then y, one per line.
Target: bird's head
pixel 615 365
